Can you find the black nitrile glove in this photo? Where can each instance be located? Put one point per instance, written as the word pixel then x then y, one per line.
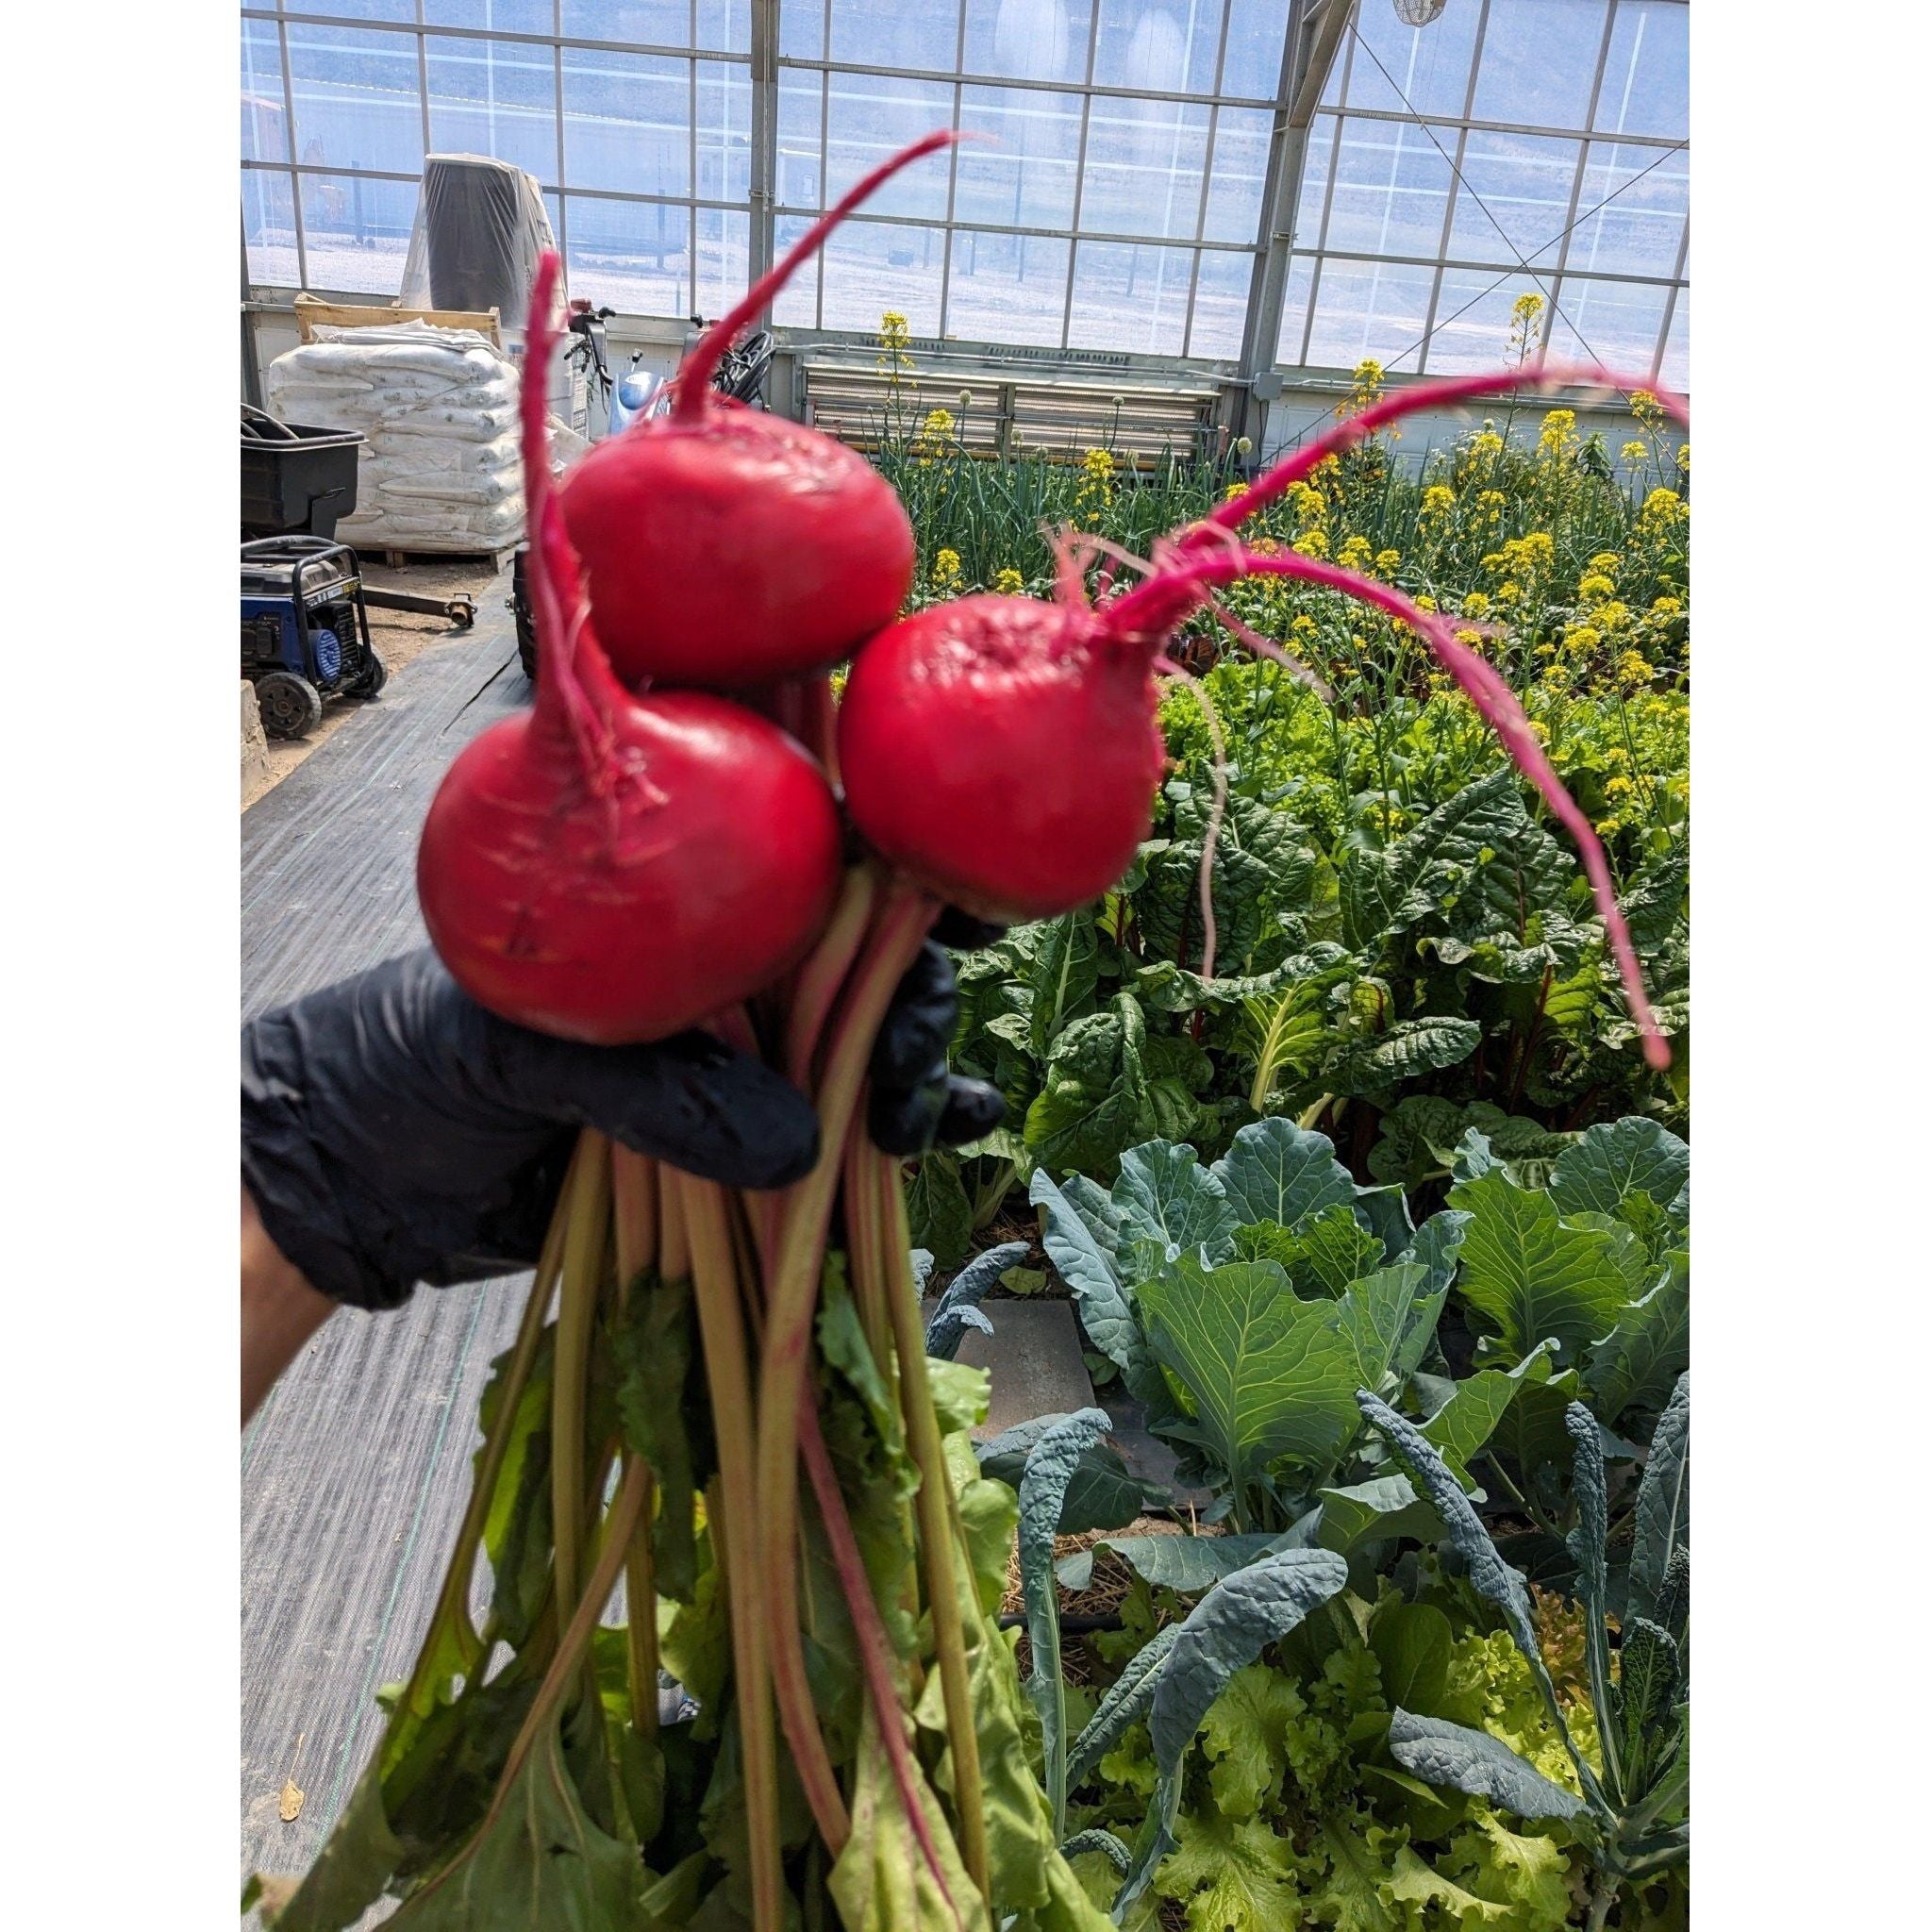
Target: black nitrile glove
pixel 916 1105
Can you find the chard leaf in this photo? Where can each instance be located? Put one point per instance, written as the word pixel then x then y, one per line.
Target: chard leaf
pixel 1637 1364
pixel 1437 1245
pixel 1065 972
pixel 1050 1467
pixel 1612 1162
pixel 1534 1275
pixel 964 1295
pixel 842 1342
pixel 535 1859
pixel 1407 1048
pixel 1093 1100
pixel 1275 1171
pixel 1102 1493
pixel 1188 1564
pixel 1074 1247
pixel 1127 1701
pixel 1663 1502
pixel 1474 1762
pixel 1413 1644
pixel 1267 1373
pixel 937 1208
pixel 1229 1627
pixel 1164 1195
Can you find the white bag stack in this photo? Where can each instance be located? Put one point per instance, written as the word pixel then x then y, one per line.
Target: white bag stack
pixel 440 469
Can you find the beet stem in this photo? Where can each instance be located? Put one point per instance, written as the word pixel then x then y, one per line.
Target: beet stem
pixel 694 380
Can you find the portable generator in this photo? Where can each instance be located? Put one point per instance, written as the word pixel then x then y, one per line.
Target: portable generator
pixel 305 630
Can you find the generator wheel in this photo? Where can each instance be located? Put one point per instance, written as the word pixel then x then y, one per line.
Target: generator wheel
pixel 290 706
pixel 525 617
pixel 368 682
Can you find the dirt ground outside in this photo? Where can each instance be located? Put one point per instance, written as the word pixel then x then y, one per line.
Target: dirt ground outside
pixel 398 635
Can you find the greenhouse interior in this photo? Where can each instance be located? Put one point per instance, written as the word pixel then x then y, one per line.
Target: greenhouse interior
pixel 1118 1355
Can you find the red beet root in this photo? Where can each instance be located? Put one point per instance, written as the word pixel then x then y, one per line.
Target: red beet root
pixel 613 869
pixel 724 547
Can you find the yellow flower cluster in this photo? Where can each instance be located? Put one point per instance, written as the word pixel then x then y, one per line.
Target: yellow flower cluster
pixel 1526 327
pixel 1475 604
pixel 1388 562
pixel 1366 392
pixel 1309 506
pixel 1354 554
pixel 946 569
pixel 1008 583
pixel 1635 452
pixel 1663 512
pixel 1438 501
pixel 937 426
pixel 1633 671
pixel 1594 588
pixel 1096 481
pixel 1557 436
pixel 894 339
pixel 1312 543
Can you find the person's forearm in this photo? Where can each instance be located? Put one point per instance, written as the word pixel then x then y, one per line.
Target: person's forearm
pixel 279 1309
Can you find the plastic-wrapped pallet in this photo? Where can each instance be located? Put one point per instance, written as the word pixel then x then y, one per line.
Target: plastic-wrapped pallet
pixel 437 407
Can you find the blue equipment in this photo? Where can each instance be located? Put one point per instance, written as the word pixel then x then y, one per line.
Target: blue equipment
pixel 305 630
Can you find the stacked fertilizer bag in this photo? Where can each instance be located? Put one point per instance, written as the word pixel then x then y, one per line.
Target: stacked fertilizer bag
pixel 439 468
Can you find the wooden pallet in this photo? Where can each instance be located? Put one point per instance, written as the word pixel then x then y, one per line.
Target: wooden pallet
pixel 312 312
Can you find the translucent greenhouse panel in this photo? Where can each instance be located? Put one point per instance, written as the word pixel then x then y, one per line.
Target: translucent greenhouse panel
pixel 1677 369
pixel 1617 323
pixel 501 16
pixel 1363 308
pixel 1028 39
pixel 1392 190
pixel 799 181
pixel 1539 61
pixel 1395 68
pixel 1317 165
pixel 873 266
pixel 1514 198
pixel 797 306
pixel 1144 164
pixel 356 103
pixel 802 29
pixel 268 228
pixel 1023 175
pixel 264 112
pixel 1158 47
pixel 641 23
pixel 493 97
pixel 1646 85
pixel 725 27
pixel 1641 198
pixel 1130 298
pixel 626 122
pixel 1236 178
pixel 723 259
pixel 633 256
pixel 1252 65
pixel 724 131
pixel 363 10
pixel 1295 310
pixel 869 117
pixel 922 34
pixel 355 232
pixel 1474 313
pixel 1007 289
pixel 1222 288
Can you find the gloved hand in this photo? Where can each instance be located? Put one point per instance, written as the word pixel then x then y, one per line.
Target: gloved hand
pixel 393 1131
pixel 916 1105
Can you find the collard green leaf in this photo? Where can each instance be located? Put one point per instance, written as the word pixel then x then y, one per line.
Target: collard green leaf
pixel 1043 1485
pixel 1438 1246
pixel 1378 1511
pixel 1637 1364
pixel 1229 1627
pixel 1615 1160
pixel 964 1293
pixel 1388 1320
pixel 1384 1212
pixel 1663 1502
pixel 1535 1276
pixel 1329 1252
pixel 1125 1703
pixel 1102 1492
pixel 1165 1195
pixel 537 1859
pixel 1188 1564
pixel 1074 1245
pixel 1267 1373
pixel 1476 1405
pixel 1474 1762
pixel 1275 1171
